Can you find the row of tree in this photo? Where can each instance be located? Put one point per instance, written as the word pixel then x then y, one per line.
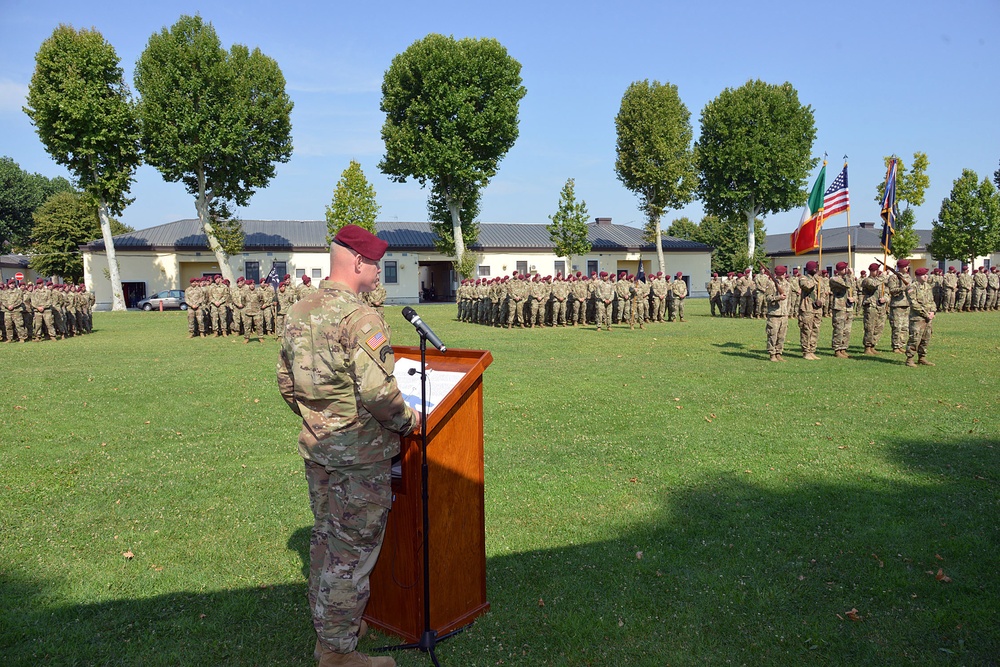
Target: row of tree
pixel 216 120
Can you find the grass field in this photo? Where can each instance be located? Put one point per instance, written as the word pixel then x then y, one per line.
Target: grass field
pixel 657 497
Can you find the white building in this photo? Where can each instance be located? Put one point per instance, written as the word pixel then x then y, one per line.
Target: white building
pixel 413 270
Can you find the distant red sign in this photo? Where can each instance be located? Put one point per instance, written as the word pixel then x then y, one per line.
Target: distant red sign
pixel 18 276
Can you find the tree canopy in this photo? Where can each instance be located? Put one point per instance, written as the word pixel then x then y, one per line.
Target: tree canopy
pixel 568 229
pixel 218 121
pixel 754 153
pixel 62 224
pixel 684 228
pixel 21 193
pixel 353 203
pixel 83 112
pixel 654 154
pixel 968 225
pixel 451 115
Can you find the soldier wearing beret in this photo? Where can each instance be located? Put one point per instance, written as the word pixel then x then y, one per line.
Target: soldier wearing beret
pixel 896 285
pixel 335 370
pixel 776 299
pixel 680 292
pixel 810 310
pixel 843 288
pixel 604 294
pixel 874 305
pixel 921 297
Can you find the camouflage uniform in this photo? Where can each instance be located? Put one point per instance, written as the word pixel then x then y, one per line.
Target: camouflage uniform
pixel 899 309
pixel 760 286
pixel 776 301
pixel 623 295
pixel 714 288
pixel 992 289
pixel 537 293
pixel 921 297
pixel 659 290
pixel 980 282
pixel 517 289
pixel 579 290
pixel 950 286
pixel 874 305
pixel 218 298
pixel 680 292
pixel 810 314
pixel 335 370
pixel 253 317
pixel 267 300
pixel 560 295
pixel 843 288
pixel 41 304
pixel 641 302
pixel 13 305
pixel 194 297
pixel 963 295
pixel 604 295
pixel 286 297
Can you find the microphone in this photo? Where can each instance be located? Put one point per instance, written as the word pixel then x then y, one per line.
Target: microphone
pixel 421 326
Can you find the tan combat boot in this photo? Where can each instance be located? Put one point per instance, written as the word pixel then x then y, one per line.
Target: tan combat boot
pixel 362 631
pixel 353 659
pixel 924 362
pixel 911 363
pixel 870 351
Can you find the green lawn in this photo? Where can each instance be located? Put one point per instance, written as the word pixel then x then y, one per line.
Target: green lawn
pixel 657 497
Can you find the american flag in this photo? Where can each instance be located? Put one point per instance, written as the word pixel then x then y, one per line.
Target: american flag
pixel 836 199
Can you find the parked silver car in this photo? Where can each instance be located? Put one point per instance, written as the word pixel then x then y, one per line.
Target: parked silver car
pixel 171 298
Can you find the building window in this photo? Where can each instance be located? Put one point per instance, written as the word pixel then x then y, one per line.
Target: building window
pixel 484 271
pixel 389 272
pixel 522 267
pixel 317 275
pixel 300 273
pixel 591 267
pixel 560 267
pixel 251 270
pixel 279 269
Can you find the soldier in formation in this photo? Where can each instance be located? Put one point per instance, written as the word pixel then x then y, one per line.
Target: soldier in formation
pixel 44 311
pixel 248 309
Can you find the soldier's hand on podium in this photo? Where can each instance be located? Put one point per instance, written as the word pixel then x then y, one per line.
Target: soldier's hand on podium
pixel 416 423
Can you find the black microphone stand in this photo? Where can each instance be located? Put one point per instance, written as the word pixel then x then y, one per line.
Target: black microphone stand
pixel 429 638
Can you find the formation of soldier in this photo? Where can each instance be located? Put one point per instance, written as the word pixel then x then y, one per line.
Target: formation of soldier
pixel 215 308
pixel 908 302
pixel 572 300
pixel 44 311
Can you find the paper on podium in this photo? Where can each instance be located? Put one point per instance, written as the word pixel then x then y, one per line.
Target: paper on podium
pixel 439 383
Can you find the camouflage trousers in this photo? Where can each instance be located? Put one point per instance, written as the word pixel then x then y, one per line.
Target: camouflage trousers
pixel 253 322
pixel 217 318
pixel 661 308
pixel 48 319
pixel 777 330
pixel 842 321
pixel 195 324
pixel 13 321
pixel 963 299
pixel 603 314
pixel 536 313
pixel 679 308
pixel 558 312
pixel 899 323
pixel 809 322
pixel 920 338
pixel 350 506
pixel 978 298
pixel 715 302
pixel 578 311
pixel 515 312
pixel 874 323
pixel 268 314
pixel 641 312
pixel 949 300
pixel 991 298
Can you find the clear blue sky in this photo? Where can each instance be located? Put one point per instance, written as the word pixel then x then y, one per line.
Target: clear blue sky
pixel 881 77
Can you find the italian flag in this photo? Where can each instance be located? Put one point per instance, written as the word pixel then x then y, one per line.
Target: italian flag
pixel 804 238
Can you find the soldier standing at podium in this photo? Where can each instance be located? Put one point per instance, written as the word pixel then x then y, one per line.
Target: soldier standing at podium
pixel 335 370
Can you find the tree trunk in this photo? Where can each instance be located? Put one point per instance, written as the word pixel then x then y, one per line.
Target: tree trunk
pixel 204 216
pixel 117 295
pixel 454 207
pixel 659 246
pixel 751 237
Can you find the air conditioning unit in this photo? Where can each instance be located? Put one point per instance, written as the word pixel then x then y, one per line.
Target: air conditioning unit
pixel 532 269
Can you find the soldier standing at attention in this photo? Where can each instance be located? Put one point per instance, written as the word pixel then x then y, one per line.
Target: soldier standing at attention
pixel 963 295
pixel 604 295
pixel 253 318
pixel 267 299
pixel 560 298
pixel 874 304
pixel 714 288
pixel 286 297
pixel 641 302
pixel 335 370
pixel 776 299
pixel 842 286
pixel 950 286
pixel 979 284
pixel 795 293
pixel 760 283
pixel 899 305
pixel 810 310
pixel 921 298
pixel 680 290
pixel 193 298
pixel 992 289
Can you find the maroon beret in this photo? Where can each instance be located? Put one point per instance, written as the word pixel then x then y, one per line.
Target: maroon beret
pixel 812 265
pixel 287 276
pixel 604 274
pixel 780 270
pixel 241 279
pixel 306 280
pixel 225 281
pixel 873 266
pixel 922 271
pixel 903 263
pixel 680 274
pixel 40 281
pixel 361 241
pixel 841 266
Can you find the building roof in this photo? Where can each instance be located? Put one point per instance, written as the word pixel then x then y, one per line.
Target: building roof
pixel 866 237
pixel 304 235
pixel 14 261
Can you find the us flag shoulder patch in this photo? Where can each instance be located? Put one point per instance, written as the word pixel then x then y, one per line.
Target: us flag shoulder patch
pixel 376 340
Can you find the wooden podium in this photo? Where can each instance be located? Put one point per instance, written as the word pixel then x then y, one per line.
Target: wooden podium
pixel 456 509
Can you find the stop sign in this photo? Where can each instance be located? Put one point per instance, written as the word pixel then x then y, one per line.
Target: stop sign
pixel 18 276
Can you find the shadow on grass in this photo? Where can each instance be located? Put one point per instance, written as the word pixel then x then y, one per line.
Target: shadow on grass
pixel 730 569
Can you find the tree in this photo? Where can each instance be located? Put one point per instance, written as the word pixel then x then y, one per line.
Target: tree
pixel 754 152
pixel 655 159
pixel 568 230
pixel 968 225
pixel 441 222
pixel 451 115
pixel 21 193
pixel 683 228
pixel 728 240
pixel 353 203
pixel 215 120
pixel 83 111
pixel 910 188
pixel 62 224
